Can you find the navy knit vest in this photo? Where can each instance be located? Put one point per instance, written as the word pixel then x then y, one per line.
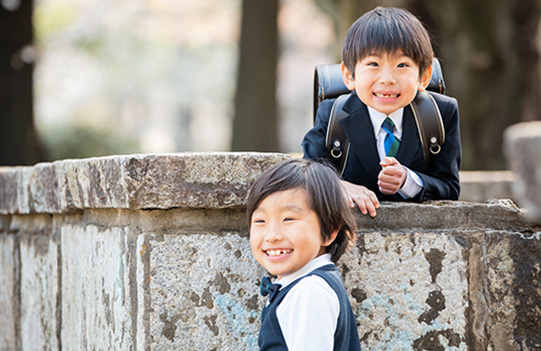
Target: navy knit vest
pixel 346 337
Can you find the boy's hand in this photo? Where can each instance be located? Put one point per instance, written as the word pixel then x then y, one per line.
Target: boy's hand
pixel 365 199
pixel 392 177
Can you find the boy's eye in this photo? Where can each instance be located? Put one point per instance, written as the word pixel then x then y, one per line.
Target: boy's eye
pixel 372 64
pixel 403 65
pixel 287 219
pixel 258 221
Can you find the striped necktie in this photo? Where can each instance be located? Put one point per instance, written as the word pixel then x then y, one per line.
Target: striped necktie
pixel 391 142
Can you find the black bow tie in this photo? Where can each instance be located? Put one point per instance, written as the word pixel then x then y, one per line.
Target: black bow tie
pixel 268 288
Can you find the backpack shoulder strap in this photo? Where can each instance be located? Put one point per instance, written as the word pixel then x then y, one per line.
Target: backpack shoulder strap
pixel 429 124
pixel 427 118
pixel 336 140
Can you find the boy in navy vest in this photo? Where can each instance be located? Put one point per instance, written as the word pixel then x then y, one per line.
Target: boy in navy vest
pixel 300 225
pixel 387 58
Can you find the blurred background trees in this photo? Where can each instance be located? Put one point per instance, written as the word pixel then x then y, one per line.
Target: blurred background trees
pixel 18 138
pixel 201 75
pixel 490 51
pixel 255 125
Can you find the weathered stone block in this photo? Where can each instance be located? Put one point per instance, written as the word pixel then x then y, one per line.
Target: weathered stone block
pixel 522 144
pixel 9 283
pixel 481 186
pixel 500 214
pixel 202 292
pixel 188 180
pixel 40 284
pixel 99 299
pixel 408 290
pixel 513 290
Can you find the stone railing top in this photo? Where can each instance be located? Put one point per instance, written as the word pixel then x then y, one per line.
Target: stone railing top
pixel 204 181
pixel 162 181
pixel 500 214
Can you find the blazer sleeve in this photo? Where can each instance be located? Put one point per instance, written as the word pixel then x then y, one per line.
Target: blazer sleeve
pixel 313 144
pixel 442 182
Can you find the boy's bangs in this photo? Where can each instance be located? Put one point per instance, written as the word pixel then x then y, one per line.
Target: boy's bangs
pixel 387 31
pixel 387 38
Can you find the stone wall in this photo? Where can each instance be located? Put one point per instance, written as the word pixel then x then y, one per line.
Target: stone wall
pixel 522 145
pixel 481 186
pixel 151 252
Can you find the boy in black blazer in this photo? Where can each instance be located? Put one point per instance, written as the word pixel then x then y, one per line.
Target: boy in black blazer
pixel 387 58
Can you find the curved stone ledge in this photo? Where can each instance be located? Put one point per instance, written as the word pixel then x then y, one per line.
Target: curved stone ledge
pixel 164 181
pixel 203 181
pixel 146 252
pixel 498 214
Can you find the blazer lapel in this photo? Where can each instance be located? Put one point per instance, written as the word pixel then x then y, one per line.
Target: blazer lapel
pixel 360 132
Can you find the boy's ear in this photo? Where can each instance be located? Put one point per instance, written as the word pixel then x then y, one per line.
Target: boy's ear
pixel 347 77
pixel 331 239
pixel 425 79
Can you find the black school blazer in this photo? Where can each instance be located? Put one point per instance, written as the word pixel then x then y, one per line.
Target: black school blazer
pixel 441 178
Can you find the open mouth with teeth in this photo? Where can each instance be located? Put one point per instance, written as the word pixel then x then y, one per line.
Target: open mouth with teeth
pixel 386 96
pixel 278 252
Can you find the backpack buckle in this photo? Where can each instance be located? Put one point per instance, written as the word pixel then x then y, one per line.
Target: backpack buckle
pixel 336 150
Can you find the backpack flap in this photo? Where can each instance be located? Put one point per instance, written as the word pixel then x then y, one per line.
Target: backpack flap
pixel 436 84
pixel 328 84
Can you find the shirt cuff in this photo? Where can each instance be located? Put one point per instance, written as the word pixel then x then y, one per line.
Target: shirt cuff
pixel 412 186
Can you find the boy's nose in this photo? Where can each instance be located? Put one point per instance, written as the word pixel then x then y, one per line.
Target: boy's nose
pixel 387 76
pixel 273 234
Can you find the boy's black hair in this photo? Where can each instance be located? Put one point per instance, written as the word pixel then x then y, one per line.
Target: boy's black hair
pixel 386 30
pixel 324 193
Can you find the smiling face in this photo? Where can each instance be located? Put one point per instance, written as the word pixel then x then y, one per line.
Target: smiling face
pixel 386 81
pixel 285 232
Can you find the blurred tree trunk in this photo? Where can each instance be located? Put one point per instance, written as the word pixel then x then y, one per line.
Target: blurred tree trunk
pixel 255 125
pixel 18 140
pixel 491 65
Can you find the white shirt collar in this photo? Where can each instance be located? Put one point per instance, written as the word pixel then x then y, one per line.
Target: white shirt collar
pixel 317 262
pixel 377 119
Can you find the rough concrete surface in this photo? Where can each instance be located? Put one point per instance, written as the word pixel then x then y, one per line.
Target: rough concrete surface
pixel 9 281
pixel 115 272
pixel 39 275
pixel 214 297
pixel 409 291
pixel 195 180
pixel 97 288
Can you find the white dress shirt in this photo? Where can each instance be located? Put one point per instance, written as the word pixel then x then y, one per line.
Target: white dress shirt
pixel 413 184
pixel 308 314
